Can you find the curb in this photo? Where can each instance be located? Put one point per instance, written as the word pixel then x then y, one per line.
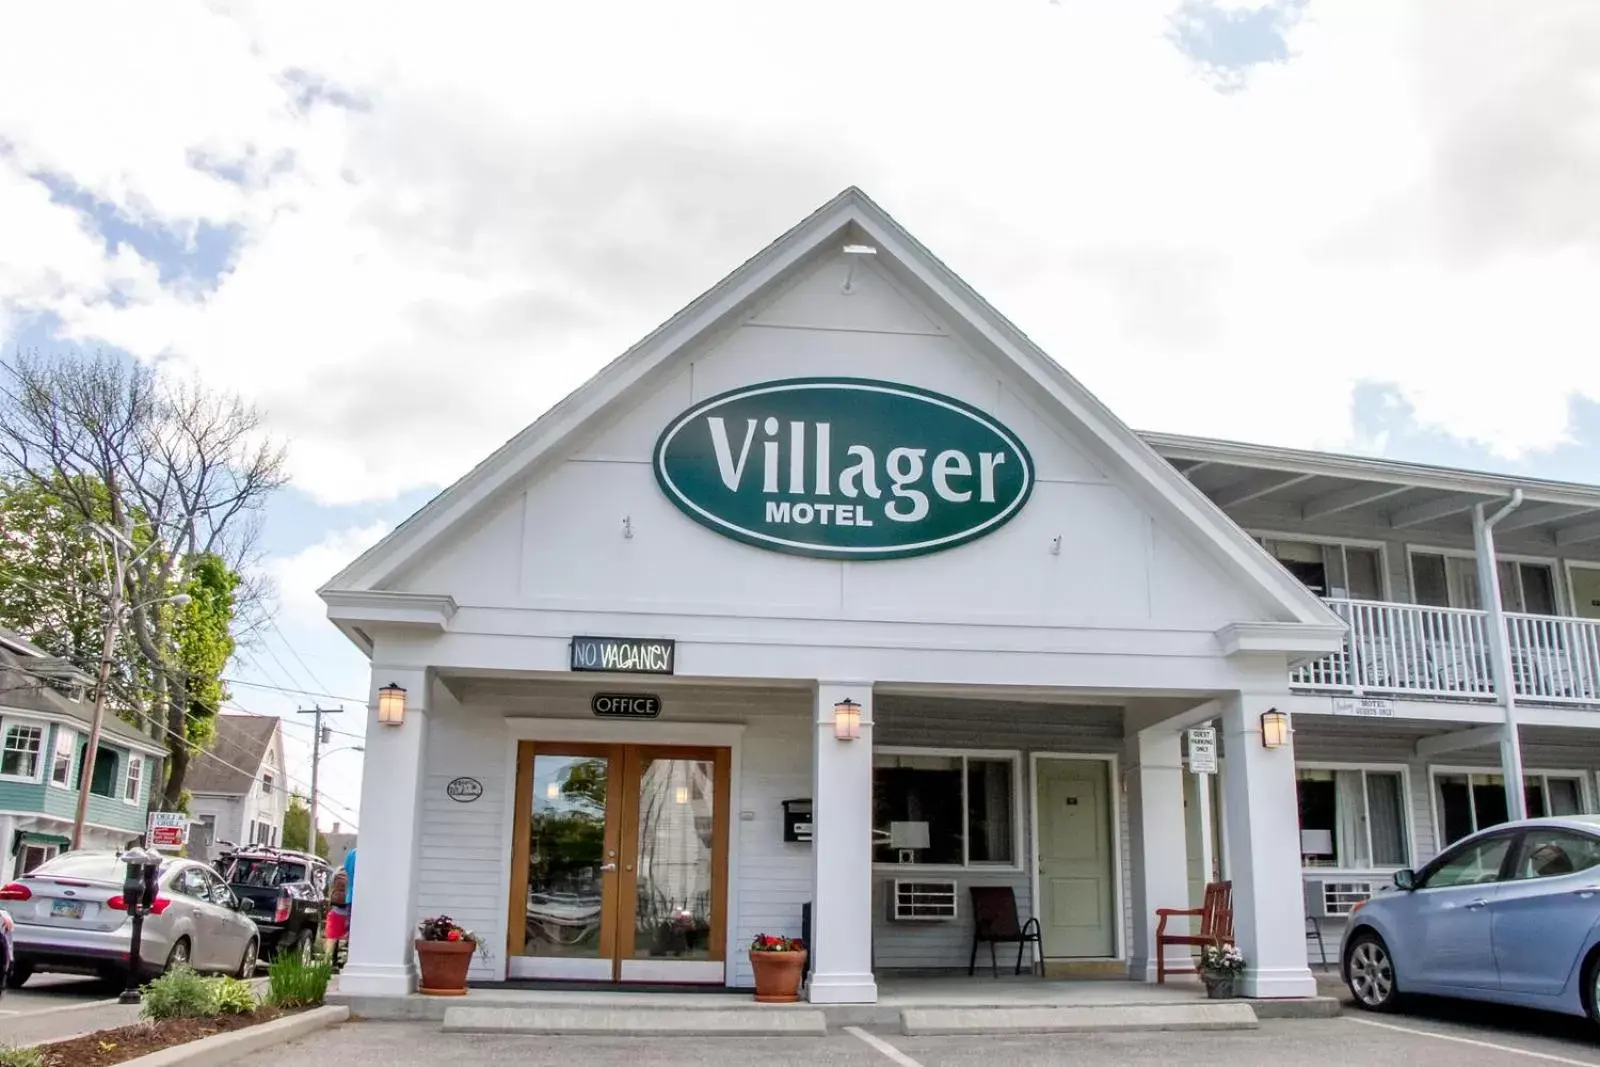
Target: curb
pixel 1211 1015
pixel 636 1022
pixel 223 1049
pixel 1299 1008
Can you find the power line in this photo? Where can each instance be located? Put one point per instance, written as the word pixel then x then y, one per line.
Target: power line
pixel 292 691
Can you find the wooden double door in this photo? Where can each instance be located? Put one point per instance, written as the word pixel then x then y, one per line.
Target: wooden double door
pixel 620 863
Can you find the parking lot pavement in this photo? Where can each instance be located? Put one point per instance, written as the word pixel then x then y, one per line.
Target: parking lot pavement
pixel 45 991
pixel 1363 1039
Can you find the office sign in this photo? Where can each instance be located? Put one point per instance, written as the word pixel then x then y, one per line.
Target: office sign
pixel 624 655
pixel 1203 750
pixel 464 790
pixel 843 468
pixel 626 705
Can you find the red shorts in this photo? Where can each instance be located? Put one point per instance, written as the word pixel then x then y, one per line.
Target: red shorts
pixel 338 927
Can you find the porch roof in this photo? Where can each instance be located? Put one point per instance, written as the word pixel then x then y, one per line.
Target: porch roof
pixel 1381 492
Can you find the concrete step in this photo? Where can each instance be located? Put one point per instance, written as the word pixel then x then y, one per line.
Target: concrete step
pixel 637 1022
pixel 1108 1018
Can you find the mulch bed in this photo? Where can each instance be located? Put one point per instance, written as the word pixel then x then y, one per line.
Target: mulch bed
pixel 105 1047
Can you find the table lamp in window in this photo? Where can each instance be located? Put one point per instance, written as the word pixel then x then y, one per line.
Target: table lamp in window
pixel 906 838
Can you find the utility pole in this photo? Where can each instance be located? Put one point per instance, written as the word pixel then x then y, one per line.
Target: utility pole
pixel 316 759
pixel 108 648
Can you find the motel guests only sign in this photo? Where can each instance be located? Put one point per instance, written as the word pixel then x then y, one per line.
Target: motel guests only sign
pixel 843 468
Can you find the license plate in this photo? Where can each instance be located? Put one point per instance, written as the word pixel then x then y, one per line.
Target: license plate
pixel 66 909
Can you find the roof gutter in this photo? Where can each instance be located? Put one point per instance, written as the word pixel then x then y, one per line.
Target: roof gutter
pixel 1500 651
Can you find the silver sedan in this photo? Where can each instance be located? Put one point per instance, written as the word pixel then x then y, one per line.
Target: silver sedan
pixel 71 916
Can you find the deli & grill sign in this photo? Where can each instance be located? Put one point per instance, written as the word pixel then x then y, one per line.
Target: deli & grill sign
pixel 843 468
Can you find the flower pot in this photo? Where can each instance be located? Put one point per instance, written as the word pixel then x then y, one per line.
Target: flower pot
pixel 1218 986
pixel 444 967
pixel 778 976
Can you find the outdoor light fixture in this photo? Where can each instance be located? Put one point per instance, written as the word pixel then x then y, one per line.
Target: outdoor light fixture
pixel 1274 728
pixel 853 251
pixel 391 705
pixel 847 720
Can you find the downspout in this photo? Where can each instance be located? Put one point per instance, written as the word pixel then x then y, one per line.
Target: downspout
pixel 1500 652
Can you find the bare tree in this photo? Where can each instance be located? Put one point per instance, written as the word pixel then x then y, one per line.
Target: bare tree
pixel 185 472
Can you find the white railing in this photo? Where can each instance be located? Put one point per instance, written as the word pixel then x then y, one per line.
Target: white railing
pixel 1408 650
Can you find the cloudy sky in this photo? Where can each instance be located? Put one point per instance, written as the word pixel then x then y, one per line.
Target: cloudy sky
pixel 405 230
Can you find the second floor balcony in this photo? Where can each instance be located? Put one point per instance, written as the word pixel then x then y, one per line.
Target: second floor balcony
pixel 1407 650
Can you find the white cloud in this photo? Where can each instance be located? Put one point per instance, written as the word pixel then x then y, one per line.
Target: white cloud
pixel 298 577
pixel 522 192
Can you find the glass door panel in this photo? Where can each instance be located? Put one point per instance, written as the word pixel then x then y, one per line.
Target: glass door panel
pixel 672 887
pixel 567 862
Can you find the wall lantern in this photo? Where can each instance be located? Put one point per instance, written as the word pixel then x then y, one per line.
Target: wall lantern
pixel 847 720
pixel 1274 728
pixel 391 705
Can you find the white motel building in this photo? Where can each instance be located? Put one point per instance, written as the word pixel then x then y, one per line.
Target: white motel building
pixel 835 597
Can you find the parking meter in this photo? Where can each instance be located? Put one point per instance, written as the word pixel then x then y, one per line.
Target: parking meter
pixel 138 894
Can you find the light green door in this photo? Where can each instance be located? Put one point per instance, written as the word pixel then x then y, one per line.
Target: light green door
pixel 1586 592
pixel 1076 893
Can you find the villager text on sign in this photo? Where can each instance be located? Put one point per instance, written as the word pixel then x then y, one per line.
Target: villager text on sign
pixel 843 468
pixel 624 655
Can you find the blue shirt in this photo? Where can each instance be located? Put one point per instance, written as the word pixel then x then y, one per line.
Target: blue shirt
pixel 350 876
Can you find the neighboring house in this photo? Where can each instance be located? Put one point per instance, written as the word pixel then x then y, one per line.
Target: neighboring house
pixel 237 787
pixel 339 845
pixel 44 729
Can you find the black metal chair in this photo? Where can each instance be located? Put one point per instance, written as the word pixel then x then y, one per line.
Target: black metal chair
pixel 995 920
pixel 1316 911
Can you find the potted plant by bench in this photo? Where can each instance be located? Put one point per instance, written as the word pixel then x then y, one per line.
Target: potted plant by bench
pixel 779 963
pixel 444 952
pixel 1220 966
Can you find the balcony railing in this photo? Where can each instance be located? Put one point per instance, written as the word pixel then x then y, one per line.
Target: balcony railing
pixel 1408 650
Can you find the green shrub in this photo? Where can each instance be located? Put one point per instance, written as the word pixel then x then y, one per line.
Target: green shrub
pixel 179 994
pixel 234 996
pixel 21 1057
pixel 292 984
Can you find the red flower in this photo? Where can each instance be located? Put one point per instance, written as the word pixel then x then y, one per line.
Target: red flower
pixel 453 935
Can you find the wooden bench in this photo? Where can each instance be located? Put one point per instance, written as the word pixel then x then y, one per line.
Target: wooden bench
pixel 1216 925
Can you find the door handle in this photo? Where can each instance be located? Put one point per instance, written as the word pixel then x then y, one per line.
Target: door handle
pixel 608 866
pixel 1479 903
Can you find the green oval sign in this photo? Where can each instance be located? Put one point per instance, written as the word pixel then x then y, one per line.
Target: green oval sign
pixel 843 468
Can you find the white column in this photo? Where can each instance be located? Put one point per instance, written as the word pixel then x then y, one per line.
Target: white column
pixel 1263 822
pixel 383 920
pixel 841 849
pixel 1159 846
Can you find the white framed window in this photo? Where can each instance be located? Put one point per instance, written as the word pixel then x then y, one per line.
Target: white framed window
pixel 1353 817
pixel 61 760
pixel 1338 569
pixel 33 856
pixel 21 751
pixel 946 808
pixel 133 779
pixel 266 785
pixel 1448 578
pixel 1469 799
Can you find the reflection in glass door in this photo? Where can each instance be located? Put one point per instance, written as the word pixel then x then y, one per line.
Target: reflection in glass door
pixel 678 923
pixel 619 869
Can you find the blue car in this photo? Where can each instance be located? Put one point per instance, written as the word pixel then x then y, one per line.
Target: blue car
pixel 1510 914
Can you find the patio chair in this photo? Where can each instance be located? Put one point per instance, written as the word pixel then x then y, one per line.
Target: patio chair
pixel 1216 924
pixel 995 920
pixel 1316 911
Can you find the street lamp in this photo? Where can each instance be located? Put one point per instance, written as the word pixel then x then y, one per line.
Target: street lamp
pixel 114 610
pixel 139 897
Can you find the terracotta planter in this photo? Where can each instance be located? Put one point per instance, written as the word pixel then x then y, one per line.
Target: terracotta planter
pixel 778 976
pixel 444 967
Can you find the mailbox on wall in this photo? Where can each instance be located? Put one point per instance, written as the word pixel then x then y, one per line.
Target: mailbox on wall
pixel 797 820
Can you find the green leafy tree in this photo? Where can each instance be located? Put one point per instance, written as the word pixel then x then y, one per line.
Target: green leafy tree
pixel 175 474
pixel 297 827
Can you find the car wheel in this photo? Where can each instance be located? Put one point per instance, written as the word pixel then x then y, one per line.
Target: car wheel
pixel 1369 972
pixel 18 976
pixel 306 947
pixel 247 965
pixel 179 956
